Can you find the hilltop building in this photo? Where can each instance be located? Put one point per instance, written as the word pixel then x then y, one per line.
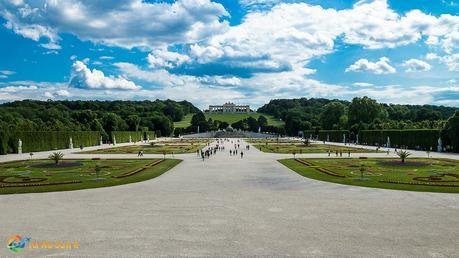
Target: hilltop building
pixel 229 108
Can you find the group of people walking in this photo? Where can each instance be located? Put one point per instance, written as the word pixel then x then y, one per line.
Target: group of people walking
pixel 210 151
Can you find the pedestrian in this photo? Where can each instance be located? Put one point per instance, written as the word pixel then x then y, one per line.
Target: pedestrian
pixel 138 154
pixel 340 153
pixel 231 153
pixel 348 153
pixel 242 154
pixel 197 153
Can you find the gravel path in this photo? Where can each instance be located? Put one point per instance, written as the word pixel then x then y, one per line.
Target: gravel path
pixel 228 206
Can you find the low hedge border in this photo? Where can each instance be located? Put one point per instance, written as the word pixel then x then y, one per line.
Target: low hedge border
pixel 323 170
pixel 417 183
pixel 41 184
pixel 139 169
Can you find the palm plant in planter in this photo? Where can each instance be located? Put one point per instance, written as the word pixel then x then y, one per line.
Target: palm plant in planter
pixel 403 154
pixel 56 157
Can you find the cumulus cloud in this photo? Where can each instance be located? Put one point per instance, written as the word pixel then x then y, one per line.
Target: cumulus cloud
pixel 362 84
pixel 83 77
pixel 162 58
pixel 131 23
pixel 416 65
pixel 380 67
pixel 451 61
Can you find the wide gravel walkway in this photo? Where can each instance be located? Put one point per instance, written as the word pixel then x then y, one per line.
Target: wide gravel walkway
pixel 228 206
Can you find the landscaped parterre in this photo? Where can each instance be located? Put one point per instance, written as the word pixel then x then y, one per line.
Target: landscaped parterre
pixel 162 147
pixel 416 174
pixel 300 148
pixel 47 176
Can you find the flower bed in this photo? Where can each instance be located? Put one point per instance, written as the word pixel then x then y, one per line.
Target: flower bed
pixel 131 173
pixel 323 170
pixel 40 184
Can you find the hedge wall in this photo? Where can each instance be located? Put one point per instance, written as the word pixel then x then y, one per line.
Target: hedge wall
pixel 416 139
pixel 44 141
pixel 335 135
pixel 123 136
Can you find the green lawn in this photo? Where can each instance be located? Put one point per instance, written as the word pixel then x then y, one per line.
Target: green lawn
pixel 44 176
pixel 430 175
pixel 158 148
pixel 300 148
pixel 229 118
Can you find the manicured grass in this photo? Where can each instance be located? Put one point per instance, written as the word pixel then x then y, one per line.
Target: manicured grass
pixel 178 146
pixel 300 148
pixel 77 174
pixel 149 149
pixel 229 118
pixel 441 175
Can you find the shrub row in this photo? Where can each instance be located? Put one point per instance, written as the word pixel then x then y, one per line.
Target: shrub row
pixel 323 135
pixel 123 136
pixel 43 141
pixel 425 139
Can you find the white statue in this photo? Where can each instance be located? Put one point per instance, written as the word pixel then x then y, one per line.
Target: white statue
pixel 130 139
pixel 70 143
pixel 344 138
pixel 440 145
pixel 19 146
pixel 388 142
pixel 357 139
pixel 101 142
pixel 328 137
pixel 114 140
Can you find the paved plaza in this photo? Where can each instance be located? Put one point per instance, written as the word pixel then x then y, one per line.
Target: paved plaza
pixel 228 206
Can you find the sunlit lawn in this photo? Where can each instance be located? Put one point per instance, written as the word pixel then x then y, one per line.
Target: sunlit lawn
pixel 21 176
pixel 300 148
pixel 413 175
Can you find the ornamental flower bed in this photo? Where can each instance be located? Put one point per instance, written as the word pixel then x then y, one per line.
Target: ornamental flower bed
pixel 139 169
pixel 418 183
pixel 323 170
pixel 40 184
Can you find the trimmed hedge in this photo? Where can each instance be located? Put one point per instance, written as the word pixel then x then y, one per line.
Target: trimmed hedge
pixel 416 139
pixel 123 136
pixel 335 135
pixel 44 141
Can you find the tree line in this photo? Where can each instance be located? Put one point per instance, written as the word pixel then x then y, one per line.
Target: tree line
pixel 102 116
pixel 362 113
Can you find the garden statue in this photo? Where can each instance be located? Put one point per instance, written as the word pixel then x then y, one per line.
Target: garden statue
pixel 70 143
pixel 388 142
pixel 101 142
pixel 198 128
pixel 344 138
pixel 130 139
pixel 328 137
pixel 114 140
pixel 19 146
pixel 440 145
pixel 357 139
pixel 148 138
pixel 259 129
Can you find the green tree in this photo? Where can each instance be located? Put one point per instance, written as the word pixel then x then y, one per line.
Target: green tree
pixel 133 121
pixel 262 121
pixel 452 131
pixel 333 115
pixel 365 110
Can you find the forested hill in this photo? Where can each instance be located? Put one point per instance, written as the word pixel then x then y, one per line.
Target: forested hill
pixel 360 113
pixel 105 116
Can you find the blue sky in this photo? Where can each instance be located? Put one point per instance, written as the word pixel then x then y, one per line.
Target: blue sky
pixel 246 51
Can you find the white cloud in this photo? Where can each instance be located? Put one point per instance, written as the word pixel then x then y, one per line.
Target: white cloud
pixel 162 58
pixel 63 93
pixel 362 84
pixel 451 61
pixel 83 77
pixel 48 95
pixel 130 23
pixel 7 72
pixel 416 65
pixel 380 67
